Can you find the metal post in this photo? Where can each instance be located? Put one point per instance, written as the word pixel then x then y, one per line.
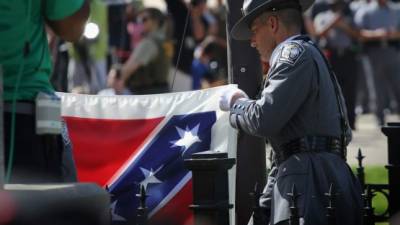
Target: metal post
pixel 368 211
pixel 392 131
pixel 107 189
pixel 2 165
pixel 210 187
pixel 360 169
pixel 141 218
pixel 258 215
pixel 294 210
pixel 244 69
pixel 331 209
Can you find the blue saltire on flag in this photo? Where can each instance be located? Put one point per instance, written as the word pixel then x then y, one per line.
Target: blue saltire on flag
pixel 160 167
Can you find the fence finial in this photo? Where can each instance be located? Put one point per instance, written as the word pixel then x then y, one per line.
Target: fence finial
pixel 294 211
pixel 331 208
pixel 368 211
pixel 360 168
pixel 360 158
pixel 141 218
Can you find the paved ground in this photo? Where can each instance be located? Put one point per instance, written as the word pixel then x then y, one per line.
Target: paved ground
pixel 371 140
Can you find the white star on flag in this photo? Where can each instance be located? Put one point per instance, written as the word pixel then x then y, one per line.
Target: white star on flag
pixel 115 216
pixel 149 177
pixel 188 138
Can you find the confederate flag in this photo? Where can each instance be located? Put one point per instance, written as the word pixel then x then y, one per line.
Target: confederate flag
pixel 124 142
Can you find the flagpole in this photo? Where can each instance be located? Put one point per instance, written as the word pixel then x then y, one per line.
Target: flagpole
pixel 1 132
pixel 244 69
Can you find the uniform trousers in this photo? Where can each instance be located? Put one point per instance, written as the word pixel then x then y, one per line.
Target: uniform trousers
pixel 313 173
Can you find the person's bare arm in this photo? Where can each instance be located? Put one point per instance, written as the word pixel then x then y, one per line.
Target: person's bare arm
pixel 394 34
pixel 374 35
pixel 143 54
pixel 322 31
pixel 339 22
pixel 309 26
pixel 199 31
pixel 71 27
pixel 129 68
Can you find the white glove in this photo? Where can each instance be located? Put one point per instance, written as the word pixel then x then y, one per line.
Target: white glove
pixel 228 98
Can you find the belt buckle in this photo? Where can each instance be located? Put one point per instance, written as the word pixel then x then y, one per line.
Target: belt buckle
pixel 314 144
pixel 310 143
pixel 338 147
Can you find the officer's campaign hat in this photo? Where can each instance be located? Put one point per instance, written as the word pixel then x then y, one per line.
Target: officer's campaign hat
pixel 253 8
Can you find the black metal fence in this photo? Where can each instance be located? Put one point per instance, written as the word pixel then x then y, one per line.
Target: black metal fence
pixel 211 197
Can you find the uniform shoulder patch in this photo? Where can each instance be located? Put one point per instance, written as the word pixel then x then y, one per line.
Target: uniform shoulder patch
pixel 290 53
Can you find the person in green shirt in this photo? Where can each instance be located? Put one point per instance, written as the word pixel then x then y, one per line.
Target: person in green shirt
pixel 26 65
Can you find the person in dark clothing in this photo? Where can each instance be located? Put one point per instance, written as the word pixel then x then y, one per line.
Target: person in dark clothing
pixel 302 114
pixel 379 25
pixel 207 68
pixel 197 29
pixel 198 23
pixel 338 38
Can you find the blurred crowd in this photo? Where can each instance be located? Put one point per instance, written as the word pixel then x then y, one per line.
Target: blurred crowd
pixel 361 39
pixel 130 49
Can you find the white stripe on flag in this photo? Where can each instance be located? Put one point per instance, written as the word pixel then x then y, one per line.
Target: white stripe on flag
pixel 173 192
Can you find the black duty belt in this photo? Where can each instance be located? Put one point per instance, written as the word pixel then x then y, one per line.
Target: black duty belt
pixel 27 108
pixel 310 144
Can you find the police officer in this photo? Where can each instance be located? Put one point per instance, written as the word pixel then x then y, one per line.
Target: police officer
pixel 302 114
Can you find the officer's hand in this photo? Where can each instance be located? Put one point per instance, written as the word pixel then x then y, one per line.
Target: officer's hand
pixel 228 98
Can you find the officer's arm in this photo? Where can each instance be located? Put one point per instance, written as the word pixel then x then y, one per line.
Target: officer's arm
pixel 71 27
pixel 288 88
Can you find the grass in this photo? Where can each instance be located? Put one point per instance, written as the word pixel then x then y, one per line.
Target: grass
pixel 376 175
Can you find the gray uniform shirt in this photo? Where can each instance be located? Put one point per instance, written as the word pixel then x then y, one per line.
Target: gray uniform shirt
pixel 298 99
